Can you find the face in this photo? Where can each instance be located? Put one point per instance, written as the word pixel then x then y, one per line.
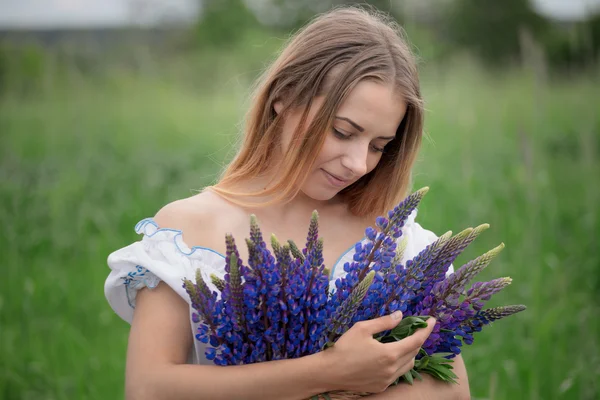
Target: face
pixel 364 123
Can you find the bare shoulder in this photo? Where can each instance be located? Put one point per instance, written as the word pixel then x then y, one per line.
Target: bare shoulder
pixel 200 218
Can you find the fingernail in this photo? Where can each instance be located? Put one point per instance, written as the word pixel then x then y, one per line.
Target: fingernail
pixel 397 315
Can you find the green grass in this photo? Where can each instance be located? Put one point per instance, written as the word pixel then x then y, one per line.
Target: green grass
pixel 79 167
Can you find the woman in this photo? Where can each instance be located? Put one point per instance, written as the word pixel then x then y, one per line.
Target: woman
pixel 335 125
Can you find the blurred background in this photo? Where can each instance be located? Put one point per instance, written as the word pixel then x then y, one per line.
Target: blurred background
pixel 110 109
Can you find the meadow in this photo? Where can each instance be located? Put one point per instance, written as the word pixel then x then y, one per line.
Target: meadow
pixel 82 161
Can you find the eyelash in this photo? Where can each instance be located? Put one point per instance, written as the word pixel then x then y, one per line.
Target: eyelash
pixel 340 135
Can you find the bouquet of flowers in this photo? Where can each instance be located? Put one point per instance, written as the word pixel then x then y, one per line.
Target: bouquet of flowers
pixel 278 305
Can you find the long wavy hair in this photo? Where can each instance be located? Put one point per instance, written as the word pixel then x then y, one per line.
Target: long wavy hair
pixel 328 57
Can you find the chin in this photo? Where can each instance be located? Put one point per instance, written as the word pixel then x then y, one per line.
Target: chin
pixel 319 195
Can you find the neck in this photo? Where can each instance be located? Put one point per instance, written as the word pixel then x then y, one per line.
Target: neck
pixel 301 205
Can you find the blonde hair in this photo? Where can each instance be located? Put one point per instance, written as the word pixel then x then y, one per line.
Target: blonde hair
pixel 328 57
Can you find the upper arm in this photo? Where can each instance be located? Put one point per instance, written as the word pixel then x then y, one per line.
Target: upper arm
pixel 161 332
pixel 160 335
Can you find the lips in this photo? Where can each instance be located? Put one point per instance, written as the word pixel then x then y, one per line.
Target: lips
pixel 337 177
pixel 340 181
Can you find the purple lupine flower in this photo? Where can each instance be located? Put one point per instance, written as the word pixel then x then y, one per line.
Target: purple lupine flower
pixel 293 296
pixel 400 283
pixel 280 307
pixel 342 318
pixel 229 312
pixel 254 294
pixel 316 295
pixel 204 302
pixel 397 219
pixel 383 254
pixel 313 263
pixel 265 285
pixel 452 250
pixel 233 290
pixel 400 213
pixel 413 278
pixel 344 285
pixel 218 282
pixel 284 261
pixel 453 314
pixel 376 255
pixel 379 291
pixel 484 317
pixel 306 296
pixel 252 310
pixel 452 287
pixel 496 313
pixel 483 291
pixel 438 268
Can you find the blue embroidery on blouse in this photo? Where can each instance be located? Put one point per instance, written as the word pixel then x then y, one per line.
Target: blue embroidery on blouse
pixel 135 280
pixel 140 271
pixel 139 227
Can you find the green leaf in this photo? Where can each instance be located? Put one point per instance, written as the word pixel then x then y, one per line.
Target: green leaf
pixel 441 372
pixel 408 377
pixel 386 339
pixel 437 366
pixel 416 374
pixel 407 327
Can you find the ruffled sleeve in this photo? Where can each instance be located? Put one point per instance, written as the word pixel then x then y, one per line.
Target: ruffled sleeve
pixel 161 255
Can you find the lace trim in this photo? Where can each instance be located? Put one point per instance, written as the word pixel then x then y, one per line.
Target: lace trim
pixel 149 228
pixel 135 280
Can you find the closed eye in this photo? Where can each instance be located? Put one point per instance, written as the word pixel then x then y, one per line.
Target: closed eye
pixel 343 136
pixel 340 134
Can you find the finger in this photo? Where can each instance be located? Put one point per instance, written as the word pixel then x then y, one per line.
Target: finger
pixel 381 324
pixel 405 359
pixel 405 366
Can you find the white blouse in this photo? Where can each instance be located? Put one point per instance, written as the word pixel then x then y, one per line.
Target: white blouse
pixel 162 255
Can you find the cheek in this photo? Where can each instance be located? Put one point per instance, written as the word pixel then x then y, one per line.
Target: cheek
pixel 287 131
pixel 329 150
pixel 373 161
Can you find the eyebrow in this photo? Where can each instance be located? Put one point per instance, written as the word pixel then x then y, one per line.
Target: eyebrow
pixel 361 129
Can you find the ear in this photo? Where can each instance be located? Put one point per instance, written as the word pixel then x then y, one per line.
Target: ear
pixel 278 106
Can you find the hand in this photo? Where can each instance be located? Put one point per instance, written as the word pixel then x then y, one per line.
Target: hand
pixel 365 364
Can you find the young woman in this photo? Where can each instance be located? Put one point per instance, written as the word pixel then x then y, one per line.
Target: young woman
pixel 335 125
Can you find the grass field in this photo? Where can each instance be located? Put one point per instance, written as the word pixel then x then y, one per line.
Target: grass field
pixel 81 165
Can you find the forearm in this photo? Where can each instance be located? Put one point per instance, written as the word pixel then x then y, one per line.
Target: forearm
pixel 427 389
pixel 430 388
pixel 292 379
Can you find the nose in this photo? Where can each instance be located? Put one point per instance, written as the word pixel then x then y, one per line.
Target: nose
pixel 355 158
